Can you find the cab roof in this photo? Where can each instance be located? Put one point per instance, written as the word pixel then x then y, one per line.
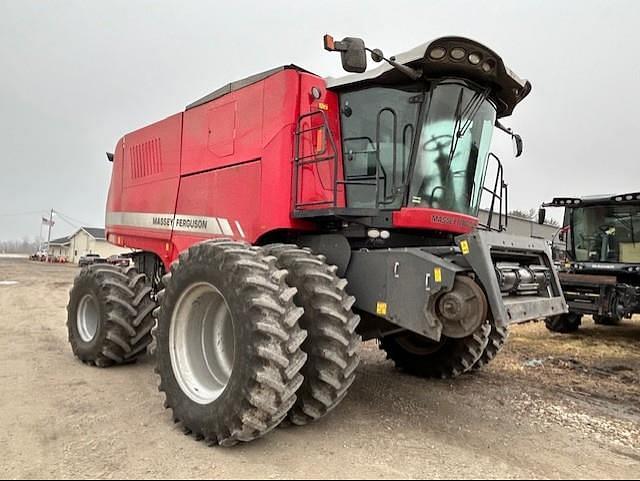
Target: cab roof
pixel 595 200
pixel 507 88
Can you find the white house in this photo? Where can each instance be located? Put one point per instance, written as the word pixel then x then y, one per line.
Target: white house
pixel 86 240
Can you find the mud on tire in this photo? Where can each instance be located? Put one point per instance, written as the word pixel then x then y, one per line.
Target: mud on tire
pixel 259 389
pixel 497 339
pixel 109 315
pixel 447 359
pixel 332 344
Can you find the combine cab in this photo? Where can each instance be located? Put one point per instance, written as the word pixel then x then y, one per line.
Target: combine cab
pixel 283 218
pixel 601 277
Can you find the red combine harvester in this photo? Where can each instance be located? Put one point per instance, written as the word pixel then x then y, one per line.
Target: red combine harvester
pixel 281 219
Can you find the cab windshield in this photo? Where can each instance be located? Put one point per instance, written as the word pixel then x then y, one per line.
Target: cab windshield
pixel 387 167
pixel 452 151
pixel 606 234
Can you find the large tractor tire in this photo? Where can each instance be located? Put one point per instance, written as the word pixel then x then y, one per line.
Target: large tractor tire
pixel 607 321
pixel 110 315
pixel 332 344
pixel 564 323
pixel 228 342
pixel 449 358
pixel 497 339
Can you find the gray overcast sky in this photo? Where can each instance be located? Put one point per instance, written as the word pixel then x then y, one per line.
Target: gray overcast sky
pixel 76 75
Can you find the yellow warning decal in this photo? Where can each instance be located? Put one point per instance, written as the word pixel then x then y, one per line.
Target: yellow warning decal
pixel 381 308
pixel 323 106
pixel 437 274
pixel 464 246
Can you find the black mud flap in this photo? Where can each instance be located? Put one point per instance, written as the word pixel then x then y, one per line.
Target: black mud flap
pixel 397 285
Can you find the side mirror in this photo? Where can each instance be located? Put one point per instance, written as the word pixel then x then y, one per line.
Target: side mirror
pixel 352 51
pixel 517 145
pixel 542 216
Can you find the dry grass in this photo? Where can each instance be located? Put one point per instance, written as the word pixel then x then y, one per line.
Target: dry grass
pixel 597 362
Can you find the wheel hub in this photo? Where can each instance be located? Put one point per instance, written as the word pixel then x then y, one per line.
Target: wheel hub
pixel 202 343
pixel 87 318
pixel 463 309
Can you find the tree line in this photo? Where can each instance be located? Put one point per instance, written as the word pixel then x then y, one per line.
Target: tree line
pixel 532 214
pixel 25 245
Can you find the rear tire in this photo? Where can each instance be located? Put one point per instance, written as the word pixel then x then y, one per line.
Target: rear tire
pixel 110 315
pixel 564 323
pixel 332 343
pixel 242 384
pixel 449 358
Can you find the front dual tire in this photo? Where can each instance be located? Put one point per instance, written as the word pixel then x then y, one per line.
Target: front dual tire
pixel 228 342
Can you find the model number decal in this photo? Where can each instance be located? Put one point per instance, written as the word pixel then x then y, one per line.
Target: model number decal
pixel 446 220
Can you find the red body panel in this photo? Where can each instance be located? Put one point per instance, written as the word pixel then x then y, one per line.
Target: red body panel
pixel 225 168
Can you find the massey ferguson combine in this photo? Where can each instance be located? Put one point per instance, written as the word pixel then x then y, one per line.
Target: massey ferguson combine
pixel 285 217
pixel 602 275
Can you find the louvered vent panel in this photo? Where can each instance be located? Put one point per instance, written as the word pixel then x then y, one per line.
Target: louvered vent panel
pixel 146 159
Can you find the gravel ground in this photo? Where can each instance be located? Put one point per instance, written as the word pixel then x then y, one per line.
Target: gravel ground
pixel 550 406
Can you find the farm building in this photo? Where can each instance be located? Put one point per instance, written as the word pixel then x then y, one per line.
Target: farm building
pixel 86 240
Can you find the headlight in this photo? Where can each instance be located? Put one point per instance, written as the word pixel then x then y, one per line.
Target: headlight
pixel 373 233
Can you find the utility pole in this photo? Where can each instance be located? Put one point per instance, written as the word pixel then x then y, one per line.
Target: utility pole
pixel 49 234
pixel 40 236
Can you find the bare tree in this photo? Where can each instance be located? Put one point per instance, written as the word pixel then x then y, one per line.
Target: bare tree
pixel 532 214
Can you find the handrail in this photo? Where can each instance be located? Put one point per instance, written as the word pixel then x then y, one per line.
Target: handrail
pixel 300 161
pixel 500 193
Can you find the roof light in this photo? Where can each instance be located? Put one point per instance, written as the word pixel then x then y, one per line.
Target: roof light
pixel 475 58
pixel 457 53
pixel 629 197
pixel 437 53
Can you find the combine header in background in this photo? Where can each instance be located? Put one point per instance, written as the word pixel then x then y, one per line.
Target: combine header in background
pixel 601 277
pixel 282 218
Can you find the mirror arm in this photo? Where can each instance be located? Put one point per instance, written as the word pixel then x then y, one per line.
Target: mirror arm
pixel 505 129
pixel 377 56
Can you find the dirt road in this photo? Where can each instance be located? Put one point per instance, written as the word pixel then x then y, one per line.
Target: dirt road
pixel 550 406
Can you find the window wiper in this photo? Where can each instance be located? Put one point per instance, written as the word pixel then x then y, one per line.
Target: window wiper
pixel 472 109
pixel 468 113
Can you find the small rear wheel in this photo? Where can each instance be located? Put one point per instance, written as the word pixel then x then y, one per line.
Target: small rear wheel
pixel 110 315
pixel 564 323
